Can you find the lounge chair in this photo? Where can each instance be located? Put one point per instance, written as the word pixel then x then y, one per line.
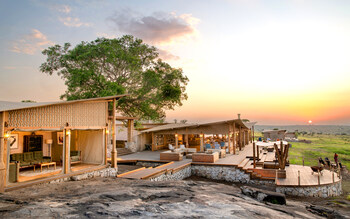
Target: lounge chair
pixel 207 146
pixel 217 146
pixel 182 146
pixel 222 144
pixel 171 147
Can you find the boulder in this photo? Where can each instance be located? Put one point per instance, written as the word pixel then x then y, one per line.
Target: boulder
pixel 263 195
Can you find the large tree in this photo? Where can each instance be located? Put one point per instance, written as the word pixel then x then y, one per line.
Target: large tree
pixel 125 65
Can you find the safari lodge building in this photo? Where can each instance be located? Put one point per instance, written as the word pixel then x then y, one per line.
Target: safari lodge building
pixel 53 140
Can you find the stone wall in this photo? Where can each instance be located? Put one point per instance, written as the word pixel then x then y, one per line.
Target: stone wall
pixel 107 172
pixel 229 174
pixel 178 175
pixel 313 191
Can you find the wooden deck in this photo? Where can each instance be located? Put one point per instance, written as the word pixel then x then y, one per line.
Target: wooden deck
pixel 306 177
pixel 25 181
pixel 239 160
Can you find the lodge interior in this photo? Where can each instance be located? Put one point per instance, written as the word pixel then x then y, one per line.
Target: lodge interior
pixel 38 154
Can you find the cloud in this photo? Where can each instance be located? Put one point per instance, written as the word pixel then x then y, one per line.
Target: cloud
pixel 166 55
pixel 74 22
pixel 159 27
pixel 63 8
pixel 106 35
pixel 31 43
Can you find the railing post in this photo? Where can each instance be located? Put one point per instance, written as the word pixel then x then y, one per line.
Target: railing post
pixel 333 176
pixel 318 177
pixel 298 177
pixel 303 161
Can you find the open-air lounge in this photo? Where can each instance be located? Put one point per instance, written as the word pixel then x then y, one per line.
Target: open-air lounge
pixel 57 139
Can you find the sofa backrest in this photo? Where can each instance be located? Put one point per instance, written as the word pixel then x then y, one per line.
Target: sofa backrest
pixel 38 155
pixel 28 156
pixel 74 153
pixel 16 157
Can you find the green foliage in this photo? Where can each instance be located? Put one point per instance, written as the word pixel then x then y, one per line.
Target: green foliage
pixel 275 129
pixel 28 101
pixel 126 65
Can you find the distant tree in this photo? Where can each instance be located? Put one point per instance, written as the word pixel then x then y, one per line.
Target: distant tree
pixel 125 65
pixel 183 121
pixel 275 129
pixel 245 120
pixel 175 120
pixel 28 101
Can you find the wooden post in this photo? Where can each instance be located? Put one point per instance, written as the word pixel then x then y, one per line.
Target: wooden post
pixel 130 129
pixel 333 176
pixel 66 142
pixel 2 149
pixel 318 177
pixel 298 177
pixel 176 140
pixel 253 134
pixel 234 139
pixel 201 148
pixel 105 146
pixel 114 147
pixel 254 163
pixel 303 161
pixel 187 144
pixel 257 153
pixel 154 147
pixel 240 138
pixel 229 137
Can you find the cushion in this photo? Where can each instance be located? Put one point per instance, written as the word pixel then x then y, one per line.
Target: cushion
pixel 28 156
pixel 25 163
pixel 74 153
pixel 38 155
pixel 17 157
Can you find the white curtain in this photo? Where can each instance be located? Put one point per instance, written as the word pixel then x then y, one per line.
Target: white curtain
pixel 90 143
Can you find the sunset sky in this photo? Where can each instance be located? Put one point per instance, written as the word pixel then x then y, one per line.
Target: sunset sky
pixel 275 62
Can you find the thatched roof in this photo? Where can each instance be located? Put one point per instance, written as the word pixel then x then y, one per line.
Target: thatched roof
pixel 173 127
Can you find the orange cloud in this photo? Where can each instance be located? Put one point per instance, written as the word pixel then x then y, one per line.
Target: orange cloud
pixel 31 43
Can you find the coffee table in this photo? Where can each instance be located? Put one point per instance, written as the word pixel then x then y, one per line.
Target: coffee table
pixel 47 164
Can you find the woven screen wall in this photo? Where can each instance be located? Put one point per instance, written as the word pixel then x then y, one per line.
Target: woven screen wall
pixel 76 114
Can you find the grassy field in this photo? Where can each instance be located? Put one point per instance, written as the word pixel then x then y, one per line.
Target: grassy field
pixel 321 146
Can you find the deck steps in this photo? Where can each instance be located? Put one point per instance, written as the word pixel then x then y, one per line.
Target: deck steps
pixel 152 172
pixel 123 151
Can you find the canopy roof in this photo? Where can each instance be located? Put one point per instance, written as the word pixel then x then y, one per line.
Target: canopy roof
pixel 221 127
pixel 272 131
pixel 8 105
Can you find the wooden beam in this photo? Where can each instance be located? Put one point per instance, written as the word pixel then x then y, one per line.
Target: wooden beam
pixel 114 139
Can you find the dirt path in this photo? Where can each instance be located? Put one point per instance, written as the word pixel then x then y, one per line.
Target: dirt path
pixel 107 197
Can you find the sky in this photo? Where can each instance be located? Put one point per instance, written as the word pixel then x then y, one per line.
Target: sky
pixel 275 62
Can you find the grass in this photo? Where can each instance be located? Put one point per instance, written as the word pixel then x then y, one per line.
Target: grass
pixel 322 146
